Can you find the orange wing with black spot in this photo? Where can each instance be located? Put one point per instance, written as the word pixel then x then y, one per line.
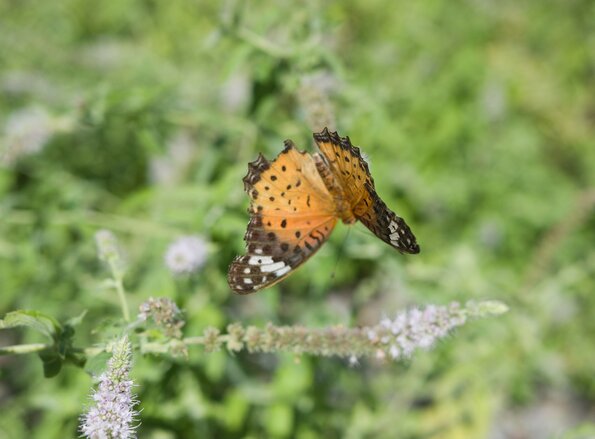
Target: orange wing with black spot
pixel 351 170
pixel 291 215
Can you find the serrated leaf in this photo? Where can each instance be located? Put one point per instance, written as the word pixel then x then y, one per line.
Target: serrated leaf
pixel 36 320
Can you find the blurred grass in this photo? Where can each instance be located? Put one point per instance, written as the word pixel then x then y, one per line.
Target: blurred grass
pixel 477 120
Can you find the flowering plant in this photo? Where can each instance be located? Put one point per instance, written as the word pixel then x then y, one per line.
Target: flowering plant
pixel 113 412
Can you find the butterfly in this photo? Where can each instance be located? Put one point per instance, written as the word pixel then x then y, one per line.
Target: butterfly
pixel 295 202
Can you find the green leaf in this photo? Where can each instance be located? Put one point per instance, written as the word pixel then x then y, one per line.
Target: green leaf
pixel 278 420
pixel 36 320
pixel 236 408
pixel 52 363
pixel 61 336
pixel 97 364
pixel 292 378
pixel 78 359
pixel 64 346
pixel 64 341
pixel 75 321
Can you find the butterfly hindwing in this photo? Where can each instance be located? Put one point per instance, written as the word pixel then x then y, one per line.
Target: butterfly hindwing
pixel 268 262
pixel 291 215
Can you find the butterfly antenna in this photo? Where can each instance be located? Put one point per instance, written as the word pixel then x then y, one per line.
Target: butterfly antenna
pixel 340 254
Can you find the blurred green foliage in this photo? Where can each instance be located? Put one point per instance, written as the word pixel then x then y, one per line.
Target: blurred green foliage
pixel 139 116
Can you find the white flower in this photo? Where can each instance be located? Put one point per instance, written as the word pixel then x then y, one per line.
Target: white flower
pixel 386 322
pixel 26 132
pixel 394 352
pixel 421 328
pixel 426 341
pixel 186 255
pixel 398 325
pixel 113 413
pixel 110 252
pixel 107 245
pixel 353 360
pixel 372 335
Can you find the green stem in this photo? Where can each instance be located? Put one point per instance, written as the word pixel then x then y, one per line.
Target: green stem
pixel 33 348
pixel 120 290
pixel 194 340
pixel 24 349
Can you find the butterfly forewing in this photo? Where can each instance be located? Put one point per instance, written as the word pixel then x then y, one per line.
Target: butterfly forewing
pixel 346 163
pixel 384 223
pixel 354 176
pixel 292 214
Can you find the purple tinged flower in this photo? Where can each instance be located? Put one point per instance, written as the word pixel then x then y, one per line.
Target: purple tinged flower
pixel 186 255
pixel 421 328
pixel 113 414
pixel 372 336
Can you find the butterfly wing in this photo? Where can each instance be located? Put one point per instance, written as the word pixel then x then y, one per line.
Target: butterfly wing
pixel 291 215
pixel 346 164
pixel 352 172
pixel 384 223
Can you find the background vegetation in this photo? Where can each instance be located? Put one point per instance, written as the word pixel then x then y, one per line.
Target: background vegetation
pixel 140 116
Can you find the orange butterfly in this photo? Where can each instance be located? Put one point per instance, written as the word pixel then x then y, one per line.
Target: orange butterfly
pixel 295 202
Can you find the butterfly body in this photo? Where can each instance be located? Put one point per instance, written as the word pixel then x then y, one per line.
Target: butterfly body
pixel 296 201
pixel 343 208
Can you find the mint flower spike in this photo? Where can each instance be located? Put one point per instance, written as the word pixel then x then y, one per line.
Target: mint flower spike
pixel 421 328
pixel 113 415
pixel 396 338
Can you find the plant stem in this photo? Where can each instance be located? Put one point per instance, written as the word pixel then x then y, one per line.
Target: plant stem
pixel 120 290
pixel 383 338
pixel 24 349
